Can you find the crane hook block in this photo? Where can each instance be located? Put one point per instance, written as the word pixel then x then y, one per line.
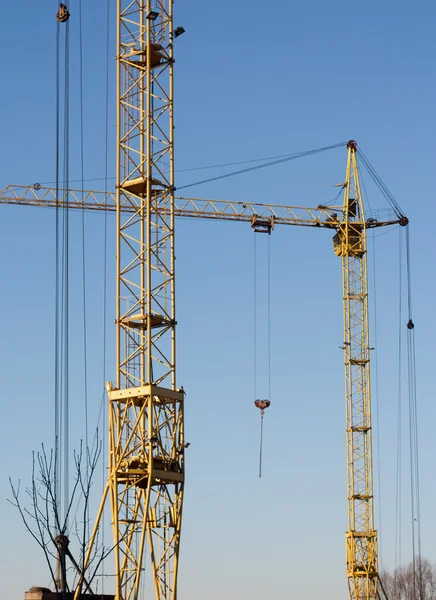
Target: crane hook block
pixel 62 15
pixel 262 405
pixel 262 225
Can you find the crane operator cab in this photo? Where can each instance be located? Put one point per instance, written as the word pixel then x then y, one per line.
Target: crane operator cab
pixel 349 237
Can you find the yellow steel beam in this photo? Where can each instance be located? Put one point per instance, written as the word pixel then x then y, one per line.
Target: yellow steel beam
pixel 200 208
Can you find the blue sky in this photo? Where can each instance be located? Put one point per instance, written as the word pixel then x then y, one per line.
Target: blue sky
pixel 251 81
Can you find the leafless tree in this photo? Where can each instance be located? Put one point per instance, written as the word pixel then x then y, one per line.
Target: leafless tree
pixel 42 519
pixel 415 581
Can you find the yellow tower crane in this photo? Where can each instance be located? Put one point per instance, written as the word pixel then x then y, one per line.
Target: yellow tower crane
pixel 350 245
pixel 146 408
pixel 145 457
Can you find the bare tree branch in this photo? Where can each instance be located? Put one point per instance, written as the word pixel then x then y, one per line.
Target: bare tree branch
pixel 415 581
pixel 42 518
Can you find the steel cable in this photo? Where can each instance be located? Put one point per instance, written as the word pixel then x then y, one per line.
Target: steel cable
pixel 269 317
pixel 258 402
pixel 61 312
pixel 83 224
pixel 66 285
pixel 265 165
pixel 398 502
pixel 380 184
pixel 288 156
pixel 57 491
pixel 106 173
pixel 254 319
pixel 377 403
pixel 413 426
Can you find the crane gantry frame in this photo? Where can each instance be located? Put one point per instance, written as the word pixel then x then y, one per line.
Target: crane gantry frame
pixel 146 416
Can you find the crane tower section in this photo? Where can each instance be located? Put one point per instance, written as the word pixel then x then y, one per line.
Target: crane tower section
pixel 350 245
pixel 146 443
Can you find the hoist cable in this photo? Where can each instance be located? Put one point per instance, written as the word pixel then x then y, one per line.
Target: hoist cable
pixel 85 524
pixel 66 276
pixel 106 178
pixel 269 318
pixel 261 445
pixel 101 417
pixel 398 502
pixel 254 319
pixel 262 404
pixel 365 198
pixel 102 410
pixel 85 344
pixel 409 275
pixel 57 491
pixel 377 408
pixel 413 420
pixel 61 295
pixel 255 346
pixel 265 165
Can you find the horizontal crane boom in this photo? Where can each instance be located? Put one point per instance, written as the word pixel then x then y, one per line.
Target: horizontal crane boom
pixel 277 214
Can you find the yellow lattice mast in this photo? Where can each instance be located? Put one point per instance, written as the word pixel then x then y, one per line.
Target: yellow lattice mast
pixel 350 244
pixel 146 466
